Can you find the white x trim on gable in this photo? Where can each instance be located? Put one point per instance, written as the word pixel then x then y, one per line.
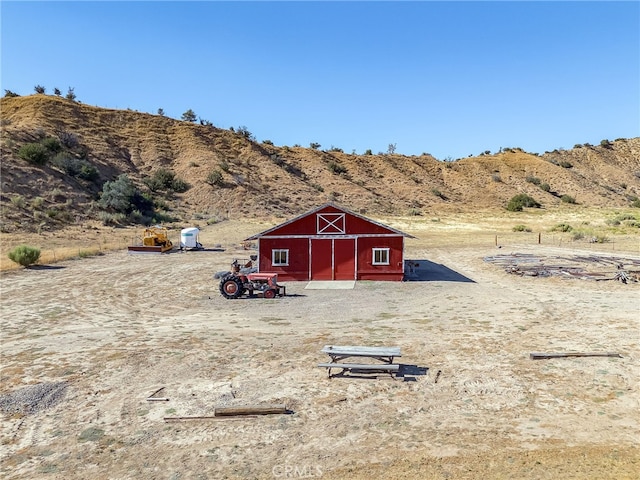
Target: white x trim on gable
pixel 330 223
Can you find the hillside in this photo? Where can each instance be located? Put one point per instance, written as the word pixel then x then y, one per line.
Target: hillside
pixel 262 180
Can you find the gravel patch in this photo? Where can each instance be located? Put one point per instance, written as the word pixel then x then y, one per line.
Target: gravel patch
pixel 33 399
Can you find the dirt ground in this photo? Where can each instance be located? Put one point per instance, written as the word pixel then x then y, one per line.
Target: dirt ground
pixel 471 404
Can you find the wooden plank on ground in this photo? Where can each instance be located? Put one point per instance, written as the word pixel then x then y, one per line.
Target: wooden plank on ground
pixel 540 356
pixel 251 410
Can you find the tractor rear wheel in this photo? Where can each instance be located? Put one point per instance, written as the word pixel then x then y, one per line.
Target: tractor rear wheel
pixel 231 287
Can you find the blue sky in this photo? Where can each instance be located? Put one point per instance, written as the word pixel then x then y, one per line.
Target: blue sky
pixel 447 78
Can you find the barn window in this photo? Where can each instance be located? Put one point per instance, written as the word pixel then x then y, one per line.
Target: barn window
pixel 380 256
pixel 280 257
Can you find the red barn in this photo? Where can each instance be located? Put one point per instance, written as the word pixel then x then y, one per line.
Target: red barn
pixel 331 243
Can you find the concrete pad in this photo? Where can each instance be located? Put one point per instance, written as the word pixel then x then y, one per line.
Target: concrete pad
pixel 331 285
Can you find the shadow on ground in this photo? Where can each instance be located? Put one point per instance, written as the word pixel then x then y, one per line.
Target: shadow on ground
pixel 427 271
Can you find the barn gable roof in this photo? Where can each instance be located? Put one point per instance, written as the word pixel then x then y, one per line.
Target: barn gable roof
pixel 320 208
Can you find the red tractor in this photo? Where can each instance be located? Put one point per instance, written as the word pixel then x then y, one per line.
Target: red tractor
pixel 244 278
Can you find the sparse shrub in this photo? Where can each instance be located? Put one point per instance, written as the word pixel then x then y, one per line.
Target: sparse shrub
pixel 368 152
pixel 635 202
pixel 39 89
pixel 438 193
pixel 189 116
pixel 111 219
pixel 565 164
pixel 215 178
pixel 415 212
pixel 224 166
pixel 244 131
pixel 37 202
pixel 71 95
pixel 314 146
pixel 318 187
pixel 267 142
pixel 520 201
pixel 577 235
pixel 577 145
pixel 534 180
pixel 18 201
pixel 496 178
pixel 57 92
pixel 163 179
pixel 337 168
pixel 562 227
pixel 336 149
pixel 567 199
pixel 599 239
pixel 605 143
pixel 52 144
pixel 34 153
pixel 545 187
pixel 206 123
pixel 10 94
pixel 521 228
pixel 24 255
pixel 68 139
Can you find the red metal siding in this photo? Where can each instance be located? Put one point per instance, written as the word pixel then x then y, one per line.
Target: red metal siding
pixel 298 268
pixel 344 259
pixel 321 259
pixel 308 224
pixel 368 271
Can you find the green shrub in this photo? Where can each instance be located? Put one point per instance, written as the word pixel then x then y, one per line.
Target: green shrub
pixel 18 201
pixel 52 144
pixel 577 235
pixel 24 255
pixel 34 153
pixel 112 219
pixel 224 166
pixel 545 187
pixel 534 180
pixel 75 167
pixel 337 168
pixel 635 202
pixel 565 164
pixel 368 152
pixel 567 199
pixel 520 201
pixel 267 142
pixel 215 178
pixel 562 227
pixel 605 143
pixel 521 228
pixel 163 179
pixel 438 193
pixel 118 195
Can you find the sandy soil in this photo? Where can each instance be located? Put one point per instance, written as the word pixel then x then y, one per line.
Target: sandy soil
pixel 472 404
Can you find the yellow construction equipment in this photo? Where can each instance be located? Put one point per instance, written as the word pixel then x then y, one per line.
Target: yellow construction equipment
pixel 154 240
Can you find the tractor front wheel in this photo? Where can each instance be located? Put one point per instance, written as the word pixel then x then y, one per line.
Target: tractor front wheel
pixel 231 287
pixel 269 294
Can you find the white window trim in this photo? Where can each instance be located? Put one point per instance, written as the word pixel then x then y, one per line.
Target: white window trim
pixel 373 257
pixel 273 257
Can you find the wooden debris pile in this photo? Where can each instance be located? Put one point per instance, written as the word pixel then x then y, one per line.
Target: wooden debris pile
pixel 590 267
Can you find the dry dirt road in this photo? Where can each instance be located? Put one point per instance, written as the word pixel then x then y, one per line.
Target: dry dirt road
pixel 108 331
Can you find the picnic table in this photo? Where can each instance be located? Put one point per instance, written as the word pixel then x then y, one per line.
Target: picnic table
pixel 384 355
